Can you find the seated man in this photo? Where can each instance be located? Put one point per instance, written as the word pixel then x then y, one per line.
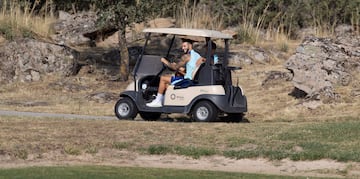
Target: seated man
pixel 189 60
pixel 213 49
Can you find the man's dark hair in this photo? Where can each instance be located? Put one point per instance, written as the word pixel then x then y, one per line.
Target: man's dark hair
pixel 187 40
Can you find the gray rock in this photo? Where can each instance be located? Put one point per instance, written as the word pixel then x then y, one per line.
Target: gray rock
pixel 63 16
pixel 312 104
pixel 249 55
pixel 70 29
pixel 2 39
pixel 66 86
pixel 28 60
pixel 240 59
pixel 274 77
pixel 259 55
pixel 321 64
pixel 35 76
pixel 103 97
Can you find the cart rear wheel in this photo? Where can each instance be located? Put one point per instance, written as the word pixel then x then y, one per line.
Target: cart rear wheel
pixel 204 111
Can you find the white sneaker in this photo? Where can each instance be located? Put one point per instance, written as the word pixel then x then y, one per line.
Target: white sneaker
pixel 154 104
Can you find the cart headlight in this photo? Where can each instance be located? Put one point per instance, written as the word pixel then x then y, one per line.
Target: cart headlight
pixel 144 86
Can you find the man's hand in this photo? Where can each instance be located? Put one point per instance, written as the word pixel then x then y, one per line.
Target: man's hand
pixel 173 66
pixel 163 60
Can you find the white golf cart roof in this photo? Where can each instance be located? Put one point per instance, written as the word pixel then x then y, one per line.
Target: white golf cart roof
pixel 190 32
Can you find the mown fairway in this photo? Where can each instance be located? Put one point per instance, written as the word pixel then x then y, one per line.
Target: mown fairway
pixel 338 140
pixel 90 172
pixel 59 140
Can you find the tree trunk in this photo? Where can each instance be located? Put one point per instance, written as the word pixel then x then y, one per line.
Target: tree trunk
pixel 124 55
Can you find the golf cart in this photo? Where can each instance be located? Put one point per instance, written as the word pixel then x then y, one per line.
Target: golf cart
pixel 208 97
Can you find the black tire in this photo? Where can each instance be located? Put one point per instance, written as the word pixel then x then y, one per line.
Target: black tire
pixel 150 116
pixel 125 108
pixel 204 111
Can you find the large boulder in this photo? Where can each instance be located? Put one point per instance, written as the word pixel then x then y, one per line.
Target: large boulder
pixel 28 60
pixel 70 29
pixel 321 64
pixel 80 30
pixel 161 23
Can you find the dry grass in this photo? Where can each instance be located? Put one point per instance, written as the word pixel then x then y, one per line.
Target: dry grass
pixel 79 137
pixel 270 103
pixel 58 99
pixel 265 104
pixel 198 17
pixel 274 104
pixel 80 133
pixel 18 21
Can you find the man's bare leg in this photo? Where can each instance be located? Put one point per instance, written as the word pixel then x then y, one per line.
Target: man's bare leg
pixel 164 82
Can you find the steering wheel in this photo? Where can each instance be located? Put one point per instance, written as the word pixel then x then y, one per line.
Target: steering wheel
pixel 165 65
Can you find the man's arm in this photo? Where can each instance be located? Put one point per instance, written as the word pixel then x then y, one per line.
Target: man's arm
pixel 200 61
pixel 176 66
pixel 167 63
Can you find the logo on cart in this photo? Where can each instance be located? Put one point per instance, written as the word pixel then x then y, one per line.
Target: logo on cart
pixel 172 96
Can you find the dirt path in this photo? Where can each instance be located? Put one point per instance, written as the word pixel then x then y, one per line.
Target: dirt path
pixel 53 115
pixel 320 168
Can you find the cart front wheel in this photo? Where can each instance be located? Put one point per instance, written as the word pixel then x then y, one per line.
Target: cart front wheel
pixel 125 108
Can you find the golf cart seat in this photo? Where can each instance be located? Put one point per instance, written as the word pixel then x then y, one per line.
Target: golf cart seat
pixel 187 82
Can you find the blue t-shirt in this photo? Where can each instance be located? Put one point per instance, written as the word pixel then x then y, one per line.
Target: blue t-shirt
pixel 191 65
pixel 216 59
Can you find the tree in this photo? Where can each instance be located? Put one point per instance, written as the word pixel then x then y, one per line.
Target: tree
pixel 120 13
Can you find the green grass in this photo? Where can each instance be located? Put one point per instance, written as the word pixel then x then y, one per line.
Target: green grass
pixel 90 172
pixel 338 140
pixel 121 145
pixel 313 141
pixel 159 149
pixel 301 141
pixel 72 150
pixel 190 151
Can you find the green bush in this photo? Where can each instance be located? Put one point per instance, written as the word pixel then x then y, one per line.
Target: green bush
pixel 194 152
pixel 159 149
pixel 290 15
pixel 71 150
pixel 6 30
pixel 121 145
pixel 21 154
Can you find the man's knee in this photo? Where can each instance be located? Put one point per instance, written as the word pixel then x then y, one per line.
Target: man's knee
pixel 165 78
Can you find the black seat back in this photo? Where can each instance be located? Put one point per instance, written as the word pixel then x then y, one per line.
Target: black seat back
pixel 196 73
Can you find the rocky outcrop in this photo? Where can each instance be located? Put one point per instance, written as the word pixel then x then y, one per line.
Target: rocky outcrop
pixel 321 64
pixel 27 60
pixel 80 30
pixel 274 77
pixel 2 39
pixel 70 29
pixel 103 97
pixel 161 23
